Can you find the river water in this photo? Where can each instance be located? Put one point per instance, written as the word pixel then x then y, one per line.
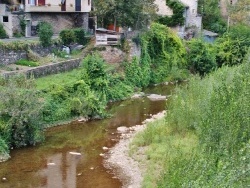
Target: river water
pixel 50 165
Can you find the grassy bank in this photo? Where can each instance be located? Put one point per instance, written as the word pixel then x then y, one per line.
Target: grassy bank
pixel 204 140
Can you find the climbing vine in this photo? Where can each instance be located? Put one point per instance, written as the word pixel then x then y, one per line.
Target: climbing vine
pixel 177 17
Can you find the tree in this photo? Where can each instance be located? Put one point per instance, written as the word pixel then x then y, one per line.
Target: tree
pixel 126 13
pixel 20 111
pixel 240 12
pixel 45 33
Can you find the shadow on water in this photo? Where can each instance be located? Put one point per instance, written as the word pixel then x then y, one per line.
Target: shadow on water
pixel 51 165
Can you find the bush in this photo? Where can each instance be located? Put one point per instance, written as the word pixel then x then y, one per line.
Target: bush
pixel 80 36
pixel 3 33
pixel 20 111
pixel 201 57
pixel 45 33
pixel 67 36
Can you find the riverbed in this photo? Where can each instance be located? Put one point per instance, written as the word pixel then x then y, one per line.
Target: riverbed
pixel 72 155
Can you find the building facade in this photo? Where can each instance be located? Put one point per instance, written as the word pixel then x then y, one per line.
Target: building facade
pixel 61 14
pixel 192 18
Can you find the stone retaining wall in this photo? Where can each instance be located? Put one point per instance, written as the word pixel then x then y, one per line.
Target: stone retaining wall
pixel 9 56
pixel 47 69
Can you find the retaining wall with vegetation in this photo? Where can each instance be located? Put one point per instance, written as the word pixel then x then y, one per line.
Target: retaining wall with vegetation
pixel 47 69
pixel 10 56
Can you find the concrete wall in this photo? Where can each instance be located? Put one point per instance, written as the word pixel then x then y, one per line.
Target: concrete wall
pixel 47 69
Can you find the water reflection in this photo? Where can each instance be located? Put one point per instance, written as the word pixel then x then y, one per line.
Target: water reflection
pixel 61 171
pixel 51 165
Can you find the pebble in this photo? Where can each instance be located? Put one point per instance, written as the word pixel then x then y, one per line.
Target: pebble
pixel 105 148
pixel 4 179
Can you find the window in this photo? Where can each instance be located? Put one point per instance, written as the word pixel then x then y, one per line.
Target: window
pixel 32 2
pixel 5 19
pixel 88 2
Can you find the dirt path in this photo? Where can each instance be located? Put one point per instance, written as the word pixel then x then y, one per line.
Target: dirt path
pixel 126 168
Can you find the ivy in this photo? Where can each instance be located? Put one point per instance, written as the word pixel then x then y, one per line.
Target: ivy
pixel 177 17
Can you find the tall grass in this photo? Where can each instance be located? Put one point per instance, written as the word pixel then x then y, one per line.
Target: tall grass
pixel 215 109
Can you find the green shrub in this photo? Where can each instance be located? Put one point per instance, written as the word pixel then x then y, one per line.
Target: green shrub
pixel 28 63
pixel 45 33
pixel 3 33
pixel 67 36
pixel 201 57
pixel 80 36
pixel 20 110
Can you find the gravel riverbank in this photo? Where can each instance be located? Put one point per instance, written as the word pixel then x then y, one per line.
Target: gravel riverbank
pixel 128 170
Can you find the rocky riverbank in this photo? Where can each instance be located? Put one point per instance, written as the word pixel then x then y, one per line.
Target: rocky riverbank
pixel 127 169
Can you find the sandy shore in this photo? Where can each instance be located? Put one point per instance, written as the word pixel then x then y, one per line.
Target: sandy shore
pixel 126 168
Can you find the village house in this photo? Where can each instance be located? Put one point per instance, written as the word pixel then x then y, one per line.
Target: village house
pixel 192 18
pixel 61 14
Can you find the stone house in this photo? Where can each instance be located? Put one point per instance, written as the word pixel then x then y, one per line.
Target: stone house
pixel 61 14
pixel 192 18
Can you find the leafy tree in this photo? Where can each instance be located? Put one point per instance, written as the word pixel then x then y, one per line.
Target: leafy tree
pixel 45 33
pixel 240 12
pixel 233 46
pixel 128 13
pixel 20 111
pixel 201 58
pixel 211 16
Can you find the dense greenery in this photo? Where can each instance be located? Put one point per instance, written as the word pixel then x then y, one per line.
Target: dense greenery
pixel 130 13
pixel 201 57
pixel 177 18
pixel 211 16
pixel 214 111
pixel 233 46
pixel 45 33
pixel 20 113
pixel 69 36
pixel 164 51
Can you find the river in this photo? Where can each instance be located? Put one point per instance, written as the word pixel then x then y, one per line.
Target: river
pixel 51 165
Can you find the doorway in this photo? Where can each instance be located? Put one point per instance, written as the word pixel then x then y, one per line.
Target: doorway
pixel 78 5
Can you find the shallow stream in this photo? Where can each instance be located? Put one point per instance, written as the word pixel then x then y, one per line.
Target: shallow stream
pixel 51 165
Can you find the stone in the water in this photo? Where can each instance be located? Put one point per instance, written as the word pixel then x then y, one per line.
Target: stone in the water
pixel 51 164
pixel 155 97
pixel 75 153
pixel 105 148
pixel 122 129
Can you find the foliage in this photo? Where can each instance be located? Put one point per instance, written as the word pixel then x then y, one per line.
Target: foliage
pixel 239 12
pixel 45 33
pixel 232 47
pixel 177 18
pixel 20 112
pixel 23 26
pixel 3 33
pixel 80 36
pixel 208 108
pixel 132 13
pixel 25 62
pixel 201 57
pixel 211 16
pixel 163 50
pixel 69 36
